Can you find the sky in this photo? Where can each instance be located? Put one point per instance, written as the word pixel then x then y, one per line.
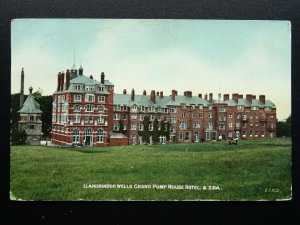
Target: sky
pixel 202 56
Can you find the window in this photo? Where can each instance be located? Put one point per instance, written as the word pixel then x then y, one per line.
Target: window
pixel 200 106
pixel 173 109
pixel 142 108
pixel 210 107
pixel 101 88
pixel 101 119
pixel 151 108
pixel 117 107
pixel 183 114
pixel 100 135
pixel 116 126
pixel 89 108
pixel 187 136
pixel 268 109
pixel 75 136
pixel 180 136
pixel 159 109
pixel 201 114
pixel 183 124
pixel 241 107
pixel 133 127
pixel 151 117
pixel 142 117
pixel 76 118
pixel 150 127
pixel 124 108
pixel 158 118
pixel 54 107
pixel 209 115
pixel 31 118
pixel 173 119
pixel 222 109
pixel 196 124
pixel 125 116
pixel 230 125
pixel 101 98
pixel 237 125
pixel 90 119
pixel 237 115
pixel 207 135
pixel 141 127
pixel 254 108
pixel 192 106
pixel 116 116
pixel 222 126
pixel 86 119
pixel 77 98
pixel 53 118
pixel 256 124
pixel 101 108
pixel 230 115
pixel 166 110
pixel 89 98
pixel 77 107
pixel 30 126
pixel 229 134
pixel 77 87
pixel 209 126
pixel 193 114
pixel 133 117
pixel 244 124
pixel 173 129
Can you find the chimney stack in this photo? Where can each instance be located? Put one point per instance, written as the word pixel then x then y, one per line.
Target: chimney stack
pixel 205 96
pixel 187 93
pixel 102 77
pixel 124 92
pixel 22 89
pixel 249 98
pixel 132 94
pixel 152 96
pixel 262 98
pixel 68 76
pixel 58 81
pixel 161 94
pixel 80 70
pixel 225 97
pixel 210 96
pixel 144 92
pixel 157 93
pixel 235 97
pixel 62 81
pixel 174 93
pixel 200 95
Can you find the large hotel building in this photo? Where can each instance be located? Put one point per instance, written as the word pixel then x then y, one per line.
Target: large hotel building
pixel 87 111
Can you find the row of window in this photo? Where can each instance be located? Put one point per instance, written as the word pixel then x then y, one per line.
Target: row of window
pixel 88 98
pixel 88 133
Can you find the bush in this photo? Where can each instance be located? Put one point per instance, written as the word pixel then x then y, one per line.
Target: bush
pixel 19 137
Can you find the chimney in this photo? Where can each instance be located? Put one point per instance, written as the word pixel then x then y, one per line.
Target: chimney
pixel 102 77
pixel 161 94
pixel 225 97
pixel 174 93
pixel 22 89
pixel 157 93
pixel 91 77
pixel 205 96
pixel 124 92
pixel 68 76
pixel 262 98
pixel 200 95
pixel 58 81
pixel 62 81
pixel 253 96
pixel 152 96
pixel 187 93
pixel 219 97
pixel 235 97
pixel 249 98
pixel 132 94
pixel 210 96
pixel 144 92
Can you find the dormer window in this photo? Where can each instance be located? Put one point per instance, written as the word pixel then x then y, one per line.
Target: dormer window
pixel 101 88
pixel 77 87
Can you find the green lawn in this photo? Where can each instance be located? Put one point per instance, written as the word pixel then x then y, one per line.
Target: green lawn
pixel 251 170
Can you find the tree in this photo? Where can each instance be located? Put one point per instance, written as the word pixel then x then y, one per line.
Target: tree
pixel 145 133
pixel 284 127
pixel 46 107
pixel 155 132
pixel 18 137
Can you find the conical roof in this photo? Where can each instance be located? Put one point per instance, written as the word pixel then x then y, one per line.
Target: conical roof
pixel 30 105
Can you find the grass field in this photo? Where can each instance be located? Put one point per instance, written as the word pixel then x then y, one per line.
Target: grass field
pixel 251 170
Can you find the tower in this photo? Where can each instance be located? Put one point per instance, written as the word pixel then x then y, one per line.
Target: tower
pixel 30 120
pixel 22 89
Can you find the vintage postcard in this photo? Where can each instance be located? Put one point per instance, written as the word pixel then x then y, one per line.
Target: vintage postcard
pixel 150 109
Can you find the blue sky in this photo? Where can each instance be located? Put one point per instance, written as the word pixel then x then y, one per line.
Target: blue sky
pixel 204 56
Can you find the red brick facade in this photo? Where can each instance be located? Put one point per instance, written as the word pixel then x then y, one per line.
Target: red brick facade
pixel 191 118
